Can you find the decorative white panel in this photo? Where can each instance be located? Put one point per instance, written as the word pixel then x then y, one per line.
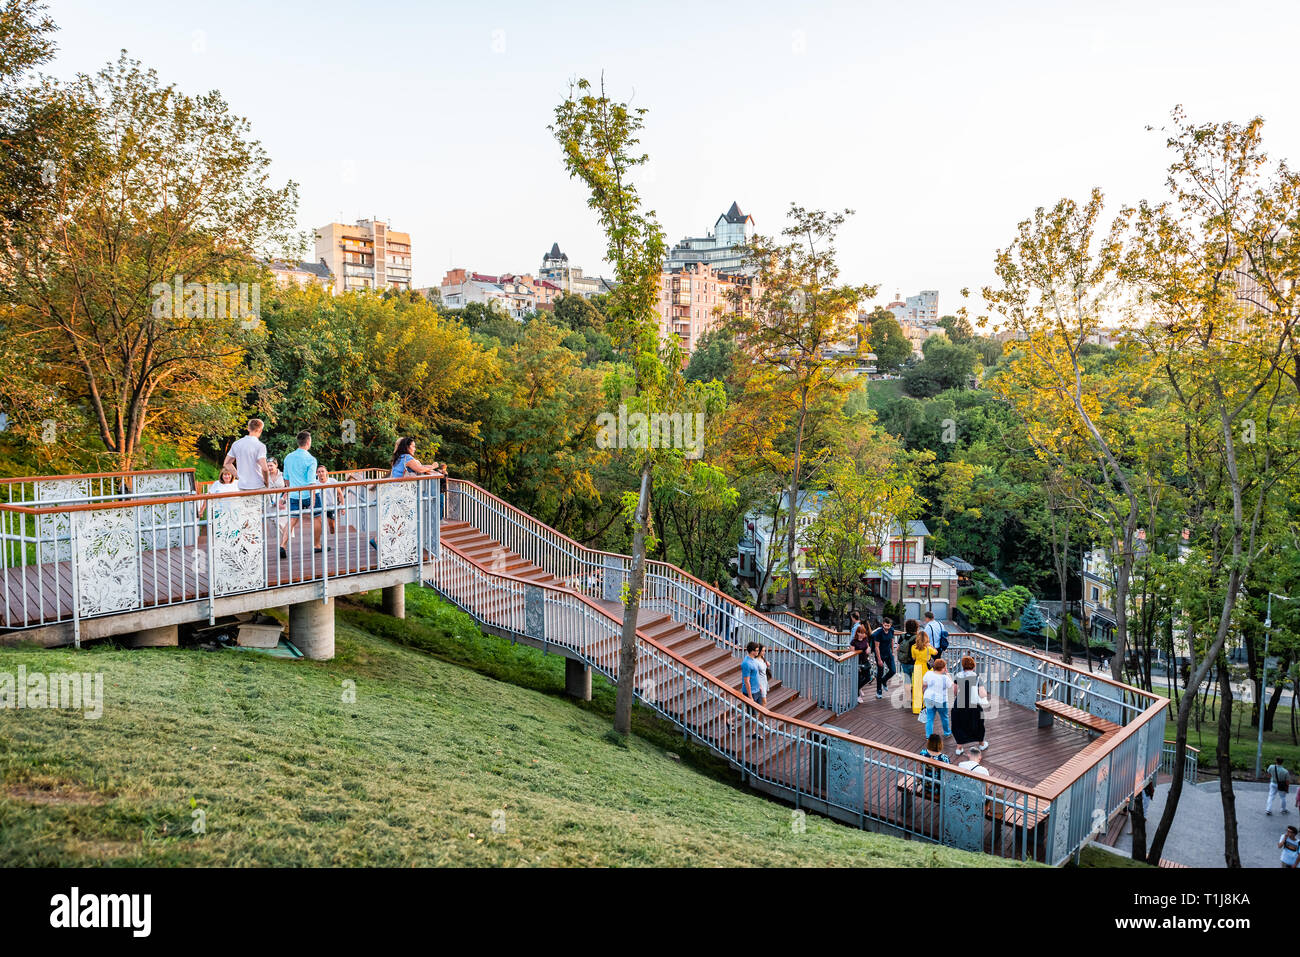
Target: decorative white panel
pixel 54 531
pixel 397 538
pixel 108 561
pixel 161 524
pixel 237 538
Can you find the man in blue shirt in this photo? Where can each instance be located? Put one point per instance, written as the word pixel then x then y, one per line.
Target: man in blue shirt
pixel 299 472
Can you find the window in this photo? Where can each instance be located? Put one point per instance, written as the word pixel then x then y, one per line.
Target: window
pixel 1095 593
pixel 897 553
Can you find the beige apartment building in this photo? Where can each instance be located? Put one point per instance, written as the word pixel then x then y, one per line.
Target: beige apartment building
pixel 367 255
pixel 693 300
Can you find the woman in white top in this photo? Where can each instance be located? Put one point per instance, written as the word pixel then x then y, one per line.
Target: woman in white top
pixel 763 669
pixel 223 486
pixel 277 505
pixel 936 688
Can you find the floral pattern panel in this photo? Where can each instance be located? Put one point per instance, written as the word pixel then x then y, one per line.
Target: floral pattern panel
pixel 160 525
pixel 398 538
pixel 54 530
pixel 237 538
pixel 108 561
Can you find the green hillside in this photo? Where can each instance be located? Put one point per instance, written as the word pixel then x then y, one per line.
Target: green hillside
pixel 287 773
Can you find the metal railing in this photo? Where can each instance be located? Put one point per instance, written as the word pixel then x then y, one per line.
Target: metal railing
pixel 826 637
pixel 71 561
pixel 827 677
pixel 818 767
pixel 1191 764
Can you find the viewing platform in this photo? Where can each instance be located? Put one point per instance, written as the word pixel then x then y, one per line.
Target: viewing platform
pixel 94 556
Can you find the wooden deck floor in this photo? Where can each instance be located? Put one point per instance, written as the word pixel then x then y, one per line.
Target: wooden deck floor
pixel 43 593
pixel 1019 751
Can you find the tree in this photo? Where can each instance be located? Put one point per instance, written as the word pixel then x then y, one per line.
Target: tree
pixel 1056 279
pixel 160 196
pixel 599 140
pixel 797 329
pixel 714 358
pixel 578 313
pixel 1210 267
pixel 946 365
pixel 1031 619
pixel 958 329
pixel 891 347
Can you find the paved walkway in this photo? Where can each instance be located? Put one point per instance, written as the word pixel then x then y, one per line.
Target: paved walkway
pixel 1196 838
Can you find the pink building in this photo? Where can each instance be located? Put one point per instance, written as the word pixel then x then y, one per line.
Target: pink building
pixel 693 302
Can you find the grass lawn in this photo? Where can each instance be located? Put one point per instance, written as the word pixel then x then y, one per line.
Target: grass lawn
pixel 451 731
pixel 1242 747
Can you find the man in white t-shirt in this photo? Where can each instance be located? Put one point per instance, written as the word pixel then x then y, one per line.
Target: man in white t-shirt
pixel 933 630
pixel 248 458
pixel 972 764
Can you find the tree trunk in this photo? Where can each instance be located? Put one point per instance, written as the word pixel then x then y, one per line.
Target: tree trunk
pixel 1222 753
pixel 631 607
pixel 792 591
pixel 1138 819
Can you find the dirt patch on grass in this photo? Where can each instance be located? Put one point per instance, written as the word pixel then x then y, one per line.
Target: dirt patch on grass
pixel 103 850
pixel 53 794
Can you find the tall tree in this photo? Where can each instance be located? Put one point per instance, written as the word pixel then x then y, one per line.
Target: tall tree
pixel 161 193
pixel 599 139
pixel 802 328
pixel 885 336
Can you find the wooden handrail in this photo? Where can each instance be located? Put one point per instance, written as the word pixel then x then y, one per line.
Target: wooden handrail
pixel 834 656
pixel 206 496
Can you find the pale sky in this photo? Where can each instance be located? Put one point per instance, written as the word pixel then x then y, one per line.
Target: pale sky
pixel 942 124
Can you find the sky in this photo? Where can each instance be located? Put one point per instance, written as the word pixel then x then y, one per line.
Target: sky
pixel 942 125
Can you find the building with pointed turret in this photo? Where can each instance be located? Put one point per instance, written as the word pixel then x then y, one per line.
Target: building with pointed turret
pixel 570 280
pixel 721 250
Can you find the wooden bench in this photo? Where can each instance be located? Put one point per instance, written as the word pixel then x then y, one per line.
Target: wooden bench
pixel 1050 708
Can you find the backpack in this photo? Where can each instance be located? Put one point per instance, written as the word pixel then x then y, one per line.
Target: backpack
pixel 943 639
pixel 1282 780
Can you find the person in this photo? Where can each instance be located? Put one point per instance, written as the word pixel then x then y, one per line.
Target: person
pixel 225 485
pixel 404 461
pixel 764 670
pixel 933 749
pixel 1279 778
pixel 276 504
pixel 248 458
pixel 936 633
pixel 972 763
pixel 1290 845
pixel 299 472
pixel 922 655
pixel 860 642
pixel 882 640
pixel 968 710
pixel 905 649
pixel 750 686
pixel 936 686
pixel 327 499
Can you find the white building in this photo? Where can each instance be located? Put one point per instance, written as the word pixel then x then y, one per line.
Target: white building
pixel 720 249
pixel 513 297
pixel 570 280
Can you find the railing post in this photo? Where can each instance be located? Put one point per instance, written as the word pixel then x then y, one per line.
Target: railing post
pixel 76 596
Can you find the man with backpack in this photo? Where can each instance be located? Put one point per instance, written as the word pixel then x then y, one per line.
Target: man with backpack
pixel 882 643
pixel 937 634
pixel 1279 778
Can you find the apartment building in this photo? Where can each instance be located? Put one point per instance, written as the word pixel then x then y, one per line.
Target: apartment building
pixel 722 249
pixel 301 274
pixel 367 255
pixel 569 279
pixel 513 295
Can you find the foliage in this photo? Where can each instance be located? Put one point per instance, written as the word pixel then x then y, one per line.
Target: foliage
pixel 886 338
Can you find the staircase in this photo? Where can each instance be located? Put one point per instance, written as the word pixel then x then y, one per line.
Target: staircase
pixel 701 652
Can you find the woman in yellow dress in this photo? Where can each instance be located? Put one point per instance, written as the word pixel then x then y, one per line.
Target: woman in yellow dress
pixel 922 654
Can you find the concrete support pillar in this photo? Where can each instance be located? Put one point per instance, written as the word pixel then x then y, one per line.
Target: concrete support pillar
pixel 577 679
pixel 394 601
pixel 164 637
pixel 311 628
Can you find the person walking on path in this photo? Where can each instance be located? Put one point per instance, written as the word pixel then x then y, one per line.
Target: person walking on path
pixel 1290 847
pixel 922 655
pixel 764 670
pixel 750 685
pixel 1279 780
pixel 905 649
pixel 968 709
pixel 936 633
pixel 936 689
pixel 299 472
pixel 248 458
pixel 882 640
pixel 860 642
